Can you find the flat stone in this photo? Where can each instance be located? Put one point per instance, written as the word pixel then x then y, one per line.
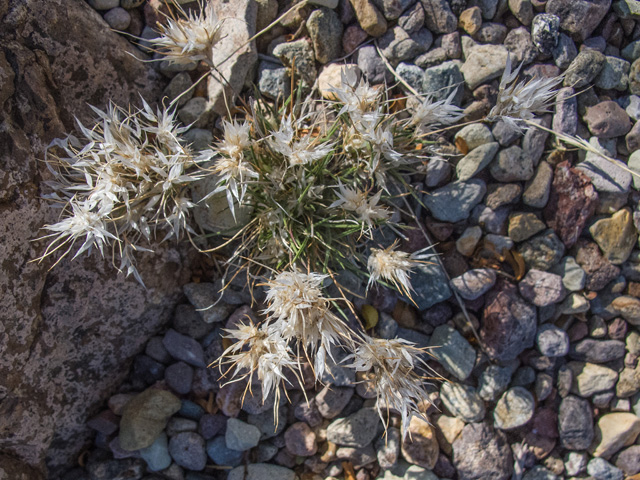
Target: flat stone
pixel 474 283
pixel 628 460
pixel 524 225
pixel 397 45
pixel 589 378
pixel 600 469
pixel 356 430
pixel 470 20
pixel 261 471
pixel 441 80
pixel 564 52
pixel 419 445
pixel 542 251
pixel 542 288
pixel 184 348
pixel 300 440
pixel 537 189
pixel 484 63
pixel 369 17
pixel 628 307
pixel 241 436
pixel 510 165
pixel 606 176
pixel 552 341
pixel 157 454
pixel 455 201
pixel 579 17
pixel 476 160
pixel 614 75
pixel 430 286
pixel 273 80
pixel 584 68
pixel 573 277
pixel 453 351
pixel 438 16
pixel 607 120
pixel 565 118
pixel 188 450
pixel 597 351
pixel 462 401
pixel 613 432
pixel 494 380
pixel 598 269
pixel 145 416
pixel 482 453
pixel 325 30
pixel 575 423
pixel 331 400
pixel 616 236
pixel 514 409
pixel 499 195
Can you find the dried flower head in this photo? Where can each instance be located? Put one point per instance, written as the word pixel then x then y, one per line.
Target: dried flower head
pixel 394 266
pixel 297 310
pixel 254 351
pixel 357 201
pixel 442 112
pixel 190 38
pixel 298 150
pixel 392 365
pixel 358 98
pixel 522 101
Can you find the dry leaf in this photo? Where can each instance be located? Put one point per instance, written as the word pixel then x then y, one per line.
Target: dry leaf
pixel 462 146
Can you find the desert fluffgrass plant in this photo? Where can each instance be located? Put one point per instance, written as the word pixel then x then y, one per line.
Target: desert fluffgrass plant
pixel 324 185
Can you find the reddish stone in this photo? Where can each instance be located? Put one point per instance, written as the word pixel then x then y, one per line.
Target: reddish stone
pixel 599 270
pixel 578 331
pixel 300 440
pixel 607 120
pixel 617 329
pixel 509 323
pixel 572 202
pixel 545 423
pixel 352 37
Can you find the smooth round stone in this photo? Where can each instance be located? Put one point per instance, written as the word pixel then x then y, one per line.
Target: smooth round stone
pixel 241 436
pixel 261 471
pixel 462 401
pixel 453 351
pixel 184 348
pixel 157 454
pixel 178 425
pixel 542 288
pixel 494 380
pixel 420 446
pixel 268 425
pixel 575 423
pixel 188 450
pixel 589 378
pixel 357 430
pixel 212 425
pixel 332 400
pixel 221 455
pixel 600 469
pixel 575 463
pixel 104 4
pixel 614 431
pixel 118 18
pixel 179 377
pixel 552 341
pixel 145 416
pixel 474 283
pixel 514 409
pixel 300 440
pixel 472 136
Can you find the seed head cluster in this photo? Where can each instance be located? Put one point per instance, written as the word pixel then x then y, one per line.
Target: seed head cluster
pixel 321 184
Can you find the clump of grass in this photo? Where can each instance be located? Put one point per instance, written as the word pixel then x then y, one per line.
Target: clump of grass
pixel 322 182
pixel 122 184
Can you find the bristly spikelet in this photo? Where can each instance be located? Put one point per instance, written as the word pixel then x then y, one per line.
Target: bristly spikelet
pixel 443 112
pixel 394 266
pixel 393 367
pixel 521 101
pixel 254 351
pixel 298 310
pixel 189 38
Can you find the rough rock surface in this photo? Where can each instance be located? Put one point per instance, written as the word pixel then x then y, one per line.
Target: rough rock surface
pixel 66 335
